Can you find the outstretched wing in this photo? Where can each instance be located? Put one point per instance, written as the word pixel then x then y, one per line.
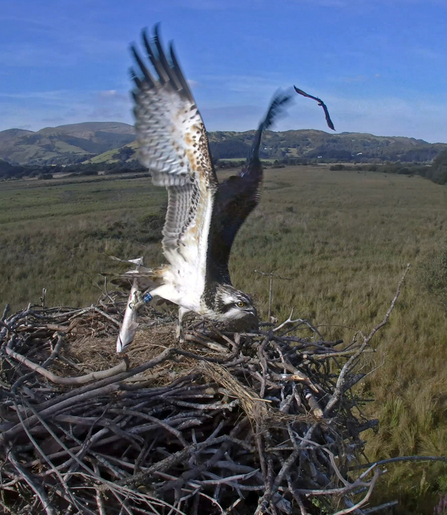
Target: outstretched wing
pixel 321 103
pixel 174 146
pixel 236 198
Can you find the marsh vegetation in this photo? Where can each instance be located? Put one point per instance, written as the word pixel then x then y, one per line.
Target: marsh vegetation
pixel 342 238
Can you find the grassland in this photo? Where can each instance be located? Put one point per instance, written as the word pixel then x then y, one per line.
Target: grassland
pixel 342 238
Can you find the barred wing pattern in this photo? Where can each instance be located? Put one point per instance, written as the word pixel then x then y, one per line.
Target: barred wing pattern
pixel 174 146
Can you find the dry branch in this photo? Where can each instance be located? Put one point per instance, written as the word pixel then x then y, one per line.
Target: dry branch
pixel 93 376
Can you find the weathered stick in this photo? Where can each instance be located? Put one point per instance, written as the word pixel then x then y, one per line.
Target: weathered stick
pixel 93 376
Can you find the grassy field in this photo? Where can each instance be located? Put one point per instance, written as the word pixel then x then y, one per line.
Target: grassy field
pixel 343 240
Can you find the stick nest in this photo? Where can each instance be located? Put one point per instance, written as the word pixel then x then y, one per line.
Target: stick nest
pixel 262 423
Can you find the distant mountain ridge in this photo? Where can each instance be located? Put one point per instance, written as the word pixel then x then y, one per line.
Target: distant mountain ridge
pixel 314 144
pixel 115 141
pixel 65 144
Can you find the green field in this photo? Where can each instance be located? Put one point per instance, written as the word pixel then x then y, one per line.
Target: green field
pixel 343 240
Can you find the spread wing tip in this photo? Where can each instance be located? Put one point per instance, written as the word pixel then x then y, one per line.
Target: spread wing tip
pixel 166 71
pixel 277 105
pixel 321 103
pixel 279 102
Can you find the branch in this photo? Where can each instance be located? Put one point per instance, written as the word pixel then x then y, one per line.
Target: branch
pixel 37 489
pixel 365 499
pixel 93 376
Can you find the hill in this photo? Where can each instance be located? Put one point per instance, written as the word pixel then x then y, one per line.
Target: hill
pixel 313 144
pixel 65 144
pixel 308 145
pixel 110 142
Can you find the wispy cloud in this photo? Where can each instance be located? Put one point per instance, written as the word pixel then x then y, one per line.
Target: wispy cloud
pixel 192 83
pixel 53 121
pixel 428 53
pixel 213 5
pixel 27 55
pixel 386 116
pixel 65 62
pixel 208 5
pixel 389 116
pixel 54 96
pixel 358 78
pixel 349 4
pixel 251 88
pixel 231 118
pixel 62 107
pixel 112 95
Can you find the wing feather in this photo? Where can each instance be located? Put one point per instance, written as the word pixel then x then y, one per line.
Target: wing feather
pixel 174 146
pixel 237 197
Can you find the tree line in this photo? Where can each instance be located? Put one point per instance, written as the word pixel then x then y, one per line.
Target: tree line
pixel 46 172
pixel 436 172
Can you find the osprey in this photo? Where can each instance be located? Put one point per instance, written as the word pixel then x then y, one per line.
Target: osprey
pixel 203 216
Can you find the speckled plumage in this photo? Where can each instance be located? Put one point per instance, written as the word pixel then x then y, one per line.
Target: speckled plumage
pixel 203 216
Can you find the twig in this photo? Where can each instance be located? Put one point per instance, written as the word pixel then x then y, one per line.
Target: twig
pixel 381 507
pixel 93 376
pixel 37 489
pixel 271 275
pixel 365 499
pixel 400 458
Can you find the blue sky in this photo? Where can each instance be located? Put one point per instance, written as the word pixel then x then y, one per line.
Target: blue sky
pixel 380 65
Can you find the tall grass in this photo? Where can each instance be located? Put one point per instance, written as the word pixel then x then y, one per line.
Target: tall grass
pixel 342 239
pixel 58 235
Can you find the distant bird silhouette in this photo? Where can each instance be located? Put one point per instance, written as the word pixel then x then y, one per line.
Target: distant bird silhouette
pixel 320 103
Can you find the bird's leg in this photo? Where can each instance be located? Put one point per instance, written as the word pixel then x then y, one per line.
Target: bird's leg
pixel 140 298
pixel 137 300
pixel 179 332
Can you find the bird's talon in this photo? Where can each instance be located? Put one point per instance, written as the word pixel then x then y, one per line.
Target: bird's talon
pixel 137 301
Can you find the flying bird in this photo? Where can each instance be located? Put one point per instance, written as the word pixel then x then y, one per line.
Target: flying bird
pixel 320 103
pixel 203 216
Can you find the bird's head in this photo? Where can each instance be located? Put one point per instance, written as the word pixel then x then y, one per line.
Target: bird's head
pixel 234 307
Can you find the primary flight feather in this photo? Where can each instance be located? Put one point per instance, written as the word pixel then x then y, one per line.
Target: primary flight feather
pixel 203 216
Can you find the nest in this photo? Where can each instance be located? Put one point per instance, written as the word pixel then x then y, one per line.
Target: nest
pixel 261 423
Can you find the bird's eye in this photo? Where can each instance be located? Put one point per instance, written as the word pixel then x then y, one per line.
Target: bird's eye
pixel 241 304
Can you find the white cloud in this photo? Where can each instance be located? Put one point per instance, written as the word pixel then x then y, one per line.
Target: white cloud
pixel 192 83
pixel 112 95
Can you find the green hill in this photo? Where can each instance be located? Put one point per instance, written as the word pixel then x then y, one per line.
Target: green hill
pixel 306 145
pixel 65 144
pixel 109 142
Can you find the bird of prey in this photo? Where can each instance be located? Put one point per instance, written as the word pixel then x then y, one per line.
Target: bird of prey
pixel 320 103
pixel 203 215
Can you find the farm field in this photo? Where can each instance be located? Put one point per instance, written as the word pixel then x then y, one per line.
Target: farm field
pixel 342 239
